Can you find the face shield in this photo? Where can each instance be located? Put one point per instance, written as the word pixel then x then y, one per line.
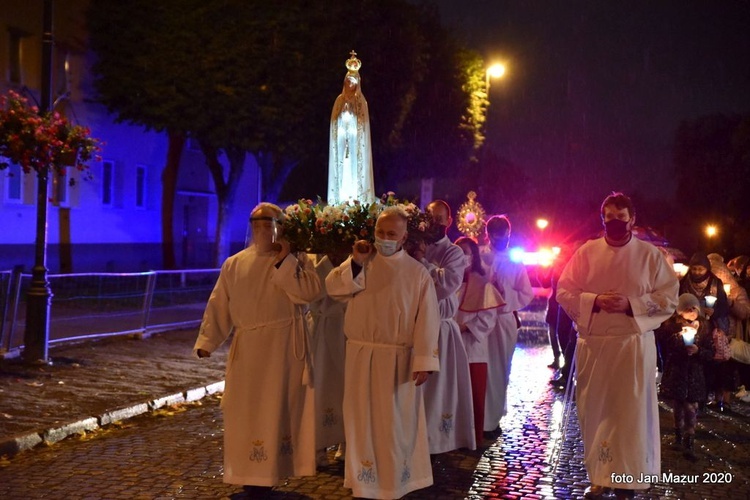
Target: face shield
pixel 262 231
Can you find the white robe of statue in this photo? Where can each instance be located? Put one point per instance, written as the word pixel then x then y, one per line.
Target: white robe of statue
pixel 350 152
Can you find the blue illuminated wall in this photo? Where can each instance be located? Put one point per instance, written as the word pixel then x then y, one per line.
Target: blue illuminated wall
pixel 111 222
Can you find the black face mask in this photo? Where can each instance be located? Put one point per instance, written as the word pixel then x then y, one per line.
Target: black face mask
pixel 435 233
pixel 500 243
pixel 697 278
pixel 616 229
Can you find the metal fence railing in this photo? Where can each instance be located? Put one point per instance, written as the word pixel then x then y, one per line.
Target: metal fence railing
pixel 94 305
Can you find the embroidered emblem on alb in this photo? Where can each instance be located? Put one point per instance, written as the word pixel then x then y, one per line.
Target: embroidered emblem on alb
pixel 605 454
pixel 652 308
pixel 258 453
pixel 446 423
pixel 286 447
pixel 575 315
pixel 405 473
pixel 366 473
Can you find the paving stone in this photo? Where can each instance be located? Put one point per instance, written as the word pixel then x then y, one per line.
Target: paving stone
pixel 180 456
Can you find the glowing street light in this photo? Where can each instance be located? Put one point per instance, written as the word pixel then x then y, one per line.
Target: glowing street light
pixel 496 70
pixel 711 230
pixel 542 224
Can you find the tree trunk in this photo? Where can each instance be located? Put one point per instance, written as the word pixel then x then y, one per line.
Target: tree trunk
pixel 275 171
pixel 168 192
pixel 225 193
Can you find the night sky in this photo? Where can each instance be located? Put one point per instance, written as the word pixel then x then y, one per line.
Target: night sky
pixel 595 90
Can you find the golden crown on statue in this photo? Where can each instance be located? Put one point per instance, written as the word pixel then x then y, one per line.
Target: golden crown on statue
pixel 353 64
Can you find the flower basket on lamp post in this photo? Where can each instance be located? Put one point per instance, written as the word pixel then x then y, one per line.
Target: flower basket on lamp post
pixel 40 142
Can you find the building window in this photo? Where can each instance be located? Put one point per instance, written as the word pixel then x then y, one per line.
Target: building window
pixel 13 184
pixel 140 186
pixel 108 176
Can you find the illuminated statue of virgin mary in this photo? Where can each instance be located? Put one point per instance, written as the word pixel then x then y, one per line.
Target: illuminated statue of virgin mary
pixel 350 153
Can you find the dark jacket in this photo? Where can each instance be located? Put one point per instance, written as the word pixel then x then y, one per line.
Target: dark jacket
pixel 683 377
pixel 720 317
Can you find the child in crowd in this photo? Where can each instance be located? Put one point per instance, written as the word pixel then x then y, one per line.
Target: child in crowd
pixel 684 381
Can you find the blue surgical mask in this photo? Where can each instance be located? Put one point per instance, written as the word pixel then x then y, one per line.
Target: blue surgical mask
pixel 386 248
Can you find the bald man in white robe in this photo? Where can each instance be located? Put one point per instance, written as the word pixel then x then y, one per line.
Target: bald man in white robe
pixel 391 325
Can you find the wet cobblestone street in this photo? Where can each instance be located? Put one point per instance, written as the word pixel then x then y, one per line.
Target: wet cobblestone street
pixel 177 454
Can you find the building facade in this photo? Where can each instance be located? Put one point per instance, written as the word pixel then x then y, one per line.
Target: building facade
pixel 109 220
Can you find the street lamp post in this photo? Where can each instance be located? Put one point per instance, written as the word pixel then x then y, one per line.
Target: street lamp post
pixel 496 70
pixel 36 336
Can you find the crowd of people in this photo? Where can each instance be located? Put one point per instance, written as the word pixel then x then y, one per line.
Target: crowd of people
pixel 390 354
pixel 394 352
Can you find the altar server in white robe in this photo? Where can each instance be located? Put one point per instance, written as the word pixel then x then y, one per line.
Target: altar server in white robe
pixel 478 302
pixel 391 325
pixel 326 319
pixel 447 395
pixel 268 403
pixel 618 289
pixel 512 281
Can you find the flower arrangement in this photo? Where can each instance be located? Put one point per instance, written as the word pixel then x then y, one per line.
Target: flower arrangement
pixel 333 229
pixel 41 142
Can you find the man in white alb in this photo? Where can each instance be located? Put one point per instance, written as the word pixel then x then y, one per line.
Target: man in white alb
pixel 618 289
pixel 391 325
pixel 512 281
pixel 447 395
pixel 268 403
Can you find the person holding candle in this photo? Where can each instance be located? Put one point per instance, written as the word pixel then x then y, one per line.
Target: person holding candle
pixel 709 290
pixel 737 298
pixel 739 313
pixel 687 347
pixel 740 269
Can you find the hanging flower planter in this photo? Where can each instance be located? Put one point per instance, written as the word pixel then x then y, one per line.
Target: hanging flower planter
pixel 42 142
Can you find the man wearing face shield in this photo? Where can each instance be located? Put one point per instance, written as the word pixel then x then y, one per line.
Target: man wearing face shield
pixel 268 404
pixel 391 324
pixel 618 289
pixel 512 281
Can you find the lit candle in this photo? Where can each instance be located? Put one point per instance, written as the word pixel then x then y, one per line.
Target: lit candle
pixel 688 335
pixel 680 269
pixel 710 300
pixel 727 287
